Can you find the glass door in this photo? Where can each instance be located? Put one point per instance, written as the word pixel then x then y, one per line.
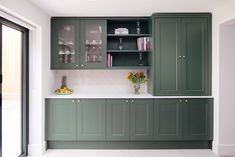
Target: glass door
pixel 93 43
pixel 65 39
pixel 13 89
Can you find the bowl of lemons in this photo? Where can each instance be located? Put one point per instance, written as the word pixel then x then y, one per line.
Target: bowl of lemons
pixel 63 91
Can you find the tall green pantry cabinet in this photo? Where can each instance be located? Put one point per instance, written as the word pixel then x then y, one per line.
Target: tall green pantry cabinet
pixel 182 44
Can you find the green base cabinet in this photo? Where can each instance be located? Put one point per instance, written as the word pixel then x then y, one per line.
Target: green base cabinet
pixel 183 54
pixel 91 119
pixel 198 119
pixel 118 119
pixel 168 119
pixel 141 118
pixel 61 119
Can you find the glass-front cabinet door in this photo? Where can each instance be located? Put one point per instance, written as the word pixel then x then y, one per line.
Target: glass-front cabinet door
pixel 93 43
pixel 65 44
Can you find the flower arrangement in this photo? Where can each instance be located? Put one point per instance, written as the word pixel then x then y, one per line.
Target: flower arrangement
pixel 137 78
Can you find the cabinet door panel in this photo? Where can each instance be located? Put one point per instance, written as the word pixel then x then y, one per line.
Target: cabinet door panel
pixel 168 120
pixel 61 120
pixel 198 119
pixel 168 50
pixel 141 119
pixel 91 119
pixel 118 119
pixel 195 56
pixel 65 44
pixel 93 43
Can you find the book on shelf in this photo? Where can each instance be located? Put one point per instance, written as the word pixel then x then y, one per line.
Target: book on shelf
pixel 144 43
pixel 109 60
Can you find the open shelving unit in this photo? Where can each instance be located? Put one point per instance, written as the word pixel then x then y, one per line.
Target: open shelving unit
pixel 129 57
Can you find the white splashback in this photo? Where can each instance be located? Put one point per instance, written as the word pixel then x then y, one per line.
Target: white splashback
pixel 97 81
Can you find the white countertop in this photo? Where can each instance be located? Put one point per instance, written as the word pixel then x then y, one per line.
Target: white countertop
pixel 116 95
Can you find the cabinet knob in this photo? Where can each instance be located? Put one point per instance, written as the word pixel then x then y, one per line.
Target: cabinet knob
pixel 76 65
pixel 186 101
pixel 73 101
pixel 132 101
pixel 184 56
pixel 82 65
pixel 78 100
pixel 179 56
pixel 181 100
pixel 126 100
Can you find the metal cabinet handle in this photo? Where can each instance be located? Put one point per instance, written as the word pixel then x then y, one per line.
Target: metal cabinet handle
pixel 179 56
pixel 184 56
pixel 73 101
pixel 82 65
pixel 132 101
pixel 126 100
pixel 181 100
pixel 186 101
pixel 78 100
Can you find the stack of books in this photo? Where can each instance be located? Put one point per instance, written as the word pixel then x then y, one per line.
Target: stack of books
pixel 109 60
pixel 143 43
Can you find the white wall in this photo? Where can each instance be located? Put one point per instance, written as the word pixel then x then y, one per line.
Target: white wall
pixel 221 143
pixel 227 93
pixel 28 15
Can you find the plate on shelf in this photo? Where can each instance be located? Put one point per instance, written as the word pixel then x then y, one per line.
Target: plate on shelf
pixel 58 93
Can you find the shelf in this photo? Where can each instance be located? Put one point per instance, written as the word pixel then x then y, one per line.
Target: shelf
pixel 118 51
pixel 129 35
pixel 129 67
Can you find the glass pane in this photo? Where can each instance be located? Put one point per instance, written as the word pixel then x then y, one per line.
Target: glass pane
pixel 66 52
pixel 11 91
pixel 93 44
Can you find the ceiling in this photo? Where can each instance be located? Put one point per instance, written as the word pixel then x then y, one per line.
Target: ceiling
pixel 124 7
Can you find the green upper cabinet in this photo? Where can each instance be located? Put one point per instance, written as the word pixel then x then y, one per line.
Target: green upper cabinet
pixel 168 48
pixel 198 119
pixel 93 43
pixel 78 43
pixel 91 119
pixel 61 119
pixel 168 119
pixel 65 47
pixel 182 44
pixel 141 118
pixel 118 120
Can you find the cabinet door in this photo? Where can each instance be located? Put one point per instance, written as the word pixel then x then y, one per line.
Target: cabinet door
pixel 198 119
pixel 118 119
pixel 168 52
pixel 141 119
pixel 60 120
pixel 195 58
pixel 91 119
pixel 168 119
pixel 65 44
pixel 93 43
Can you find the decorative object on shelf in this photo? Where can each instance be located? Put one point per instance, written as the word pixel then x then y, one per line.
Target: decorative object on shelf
pixel 143 43
pixel 63 90
pixel 137 78
pixel 121 31
pixel 138 27
pixel 120 46
pixel 140 59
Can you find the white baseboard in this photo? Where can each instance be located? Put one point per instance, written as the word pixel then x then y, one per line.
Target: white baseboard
pixel 227 149
pixel 36 149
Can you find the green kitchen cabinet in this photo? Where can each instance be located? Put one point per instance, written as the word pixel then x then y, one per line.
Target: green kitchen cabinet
pixel 198 119
pixel 168 119
pixel 93 43
pixel 91 119
pixel 65 47
pixel 61 120
pixel 78 43
pixel 183 54
pixel 118 120
pixel 141 119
